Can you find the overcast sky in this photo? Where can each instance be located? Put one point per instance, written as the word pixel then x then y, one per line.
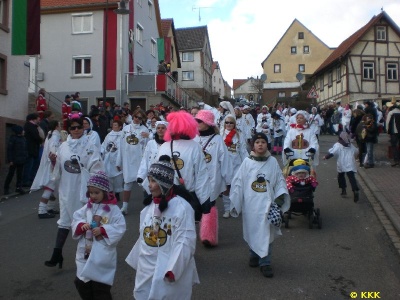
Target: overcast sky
pixel 243 32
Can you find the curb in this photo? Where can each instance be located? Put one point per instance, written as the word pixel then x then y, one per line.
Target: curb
pixel 381 199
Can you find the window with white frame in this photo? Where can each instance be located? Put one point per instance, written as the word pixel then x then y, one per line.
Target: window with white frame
pixel 293 50
pixel 139 33
pixel 150 9
pixel 153 47
pixel 368 70
pixel 321 83
pixel 330 78
pixel 306 49
pixel 187 56
pixel 187 75
pixel 381 33
pixel 3 74
pixel 338 73
pixel 82 23
pixel 277 68
pixel 281 94
pixel 82 65
pixel 301 35
pixel 392 71
pixel 4 15
pixel 302 68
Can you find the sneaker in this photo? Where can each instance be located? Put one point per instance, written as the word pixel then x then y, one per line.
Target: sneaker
pixel 226 215
pixel 53 211
pixel 356 196
pixel 267 271
pixel 46 216
pixel 253 262
pixel 124 211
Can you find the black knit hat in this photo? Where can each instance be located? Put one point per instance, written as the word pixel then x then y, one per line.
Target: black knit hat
pixel 17 129
pixel 259 135
pixel 163 173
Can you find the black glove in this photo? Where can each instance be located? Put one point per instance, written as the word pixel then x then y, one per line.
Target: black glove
pixel 206 207
pixel 139 180
pixel 287 150
pixel 311 150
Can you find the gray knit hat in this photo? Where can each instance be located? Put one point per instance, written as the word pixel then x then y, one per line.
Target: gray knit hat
pixel 163 173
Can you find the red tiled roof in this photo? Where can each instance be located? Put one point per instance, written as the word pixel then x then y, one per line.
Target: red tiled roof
pixel 346 46
pixel 238 82
pixel 61 3
pixel 165 26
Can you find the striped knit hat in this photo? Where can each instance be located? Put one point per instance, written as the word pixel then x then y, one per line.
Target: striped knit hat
pixel 100 181
pixel 163 173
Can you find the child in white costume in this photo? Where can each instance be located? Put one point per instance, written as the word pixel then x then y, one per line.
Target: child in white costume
pixel 109 150
pixel 259 191
pixel 98 226
pixel 163 256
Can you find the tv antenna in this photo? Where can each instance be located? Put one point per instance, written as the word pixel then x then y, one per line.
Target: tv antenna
pixel 200 8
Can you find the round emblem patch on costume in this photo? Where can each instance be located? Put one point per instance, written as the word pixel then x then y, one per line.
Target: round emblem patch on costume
pixel 260 185
pixel 179 162
pixel 73 166
pixel 207 156
pixel 111 147
pixel 132 139
pixel 152 239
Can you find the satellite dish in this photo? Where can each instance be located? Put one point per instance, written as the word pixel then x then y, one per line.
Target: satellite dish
pixel 299 76
pixel 263 77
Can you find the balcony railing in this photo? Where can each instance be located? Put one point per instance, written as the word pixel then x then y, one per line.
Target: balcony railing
pixel 160 83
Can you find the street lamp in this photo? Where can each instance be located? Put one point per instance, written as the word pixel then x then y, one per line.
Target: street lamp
pixel 121 10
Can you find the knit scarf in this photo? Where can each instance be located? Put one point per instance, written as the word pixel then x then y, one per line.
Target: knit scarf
pixel 207 132
pixel 168 197
pixel 298 126
pixel 229 137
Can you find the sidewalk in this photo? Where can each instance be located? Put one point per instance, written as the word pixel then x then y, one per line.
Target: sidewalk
pixel 384 181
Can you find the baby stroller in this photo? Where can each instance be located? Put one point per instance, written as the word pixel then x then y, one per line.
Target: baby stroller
pixel 302 196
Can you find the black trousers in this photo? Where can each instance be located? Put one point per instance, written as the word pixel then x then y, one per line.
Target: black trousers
pixel 93 290
pixel 15 167
pixel 352 178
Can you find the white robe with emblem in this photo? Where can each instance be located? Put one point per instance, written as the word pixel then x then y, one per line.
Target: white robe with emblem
pixel 253 200
pixel 76 159
pixel 102 262
pixel 237 151
pixel 218 162
pixel 130 156
pixel 149 157
pixel 308 134
pixel 192 164
pixel 153 258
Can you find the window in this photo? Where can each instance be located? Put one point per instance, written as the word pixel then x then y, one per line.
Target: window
pixel 306 49
pixel 4 15
pixel 293 49
pixel 281 94
pixel 82 65
pixel 301 35
pixel 3 74
pixel 368 71
pixel 188 75
pixel 82 23
pixel 139 34
pixel 392 72
pixel 330 78
pixel 277 68
pixel 150 9
pixel 153 47
pixel 321 83
pixel 302 68
pixel 381 33
pixel 338 73
pixel 187 56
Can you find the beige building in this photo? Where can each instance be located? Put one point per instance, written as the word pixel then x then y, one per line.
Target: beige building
pixel 298 51
pixel 365 66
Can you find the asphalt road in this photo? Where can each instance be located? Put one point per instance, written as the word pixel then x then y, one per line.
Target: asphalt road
pixel 351 253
